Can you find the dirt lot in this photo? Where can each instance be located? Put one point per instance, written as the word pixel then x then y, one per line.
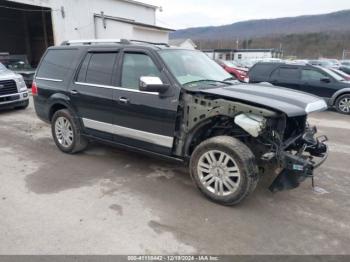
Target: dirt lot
pixel 110 201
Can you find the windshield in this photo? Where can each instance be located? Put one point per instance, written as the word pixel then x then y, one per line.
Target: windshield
pixel 17 65
pixel 193 67
pixel 333 74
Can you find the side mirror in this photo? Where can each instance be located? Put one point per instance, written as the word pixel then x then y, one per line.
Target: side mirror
pixel 152 84
pixel 326 80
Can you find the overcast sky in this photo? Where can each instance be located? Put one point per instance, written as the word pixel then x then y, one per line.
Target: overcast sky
pixel 179 14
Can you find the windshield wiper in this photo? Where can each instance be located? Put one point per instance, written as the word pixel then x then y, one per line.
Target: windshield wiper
pixel 207 80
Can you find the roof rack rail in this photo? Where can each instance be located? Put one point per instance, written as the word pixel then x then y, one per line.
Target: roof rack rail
pixel 95 41
pixel 109 41
pixel 150 43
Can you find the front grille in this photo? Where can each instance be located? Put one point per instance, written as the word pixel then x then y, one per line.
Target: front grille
pixel 8 87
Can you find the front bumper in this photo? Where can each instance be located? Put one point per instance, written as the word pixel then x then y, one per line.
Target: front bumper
pixel 300 162
pixel 14 100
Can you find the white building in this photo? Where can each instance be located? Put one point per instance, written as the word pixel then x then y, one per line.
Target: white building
pixel 183 43
pixel 29 26
pixel 243 54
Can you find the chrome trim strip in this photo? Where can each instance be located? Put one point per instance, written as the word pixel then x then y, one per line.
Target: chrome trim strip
pixel 116 88
pixel 49 79
pixel 152 138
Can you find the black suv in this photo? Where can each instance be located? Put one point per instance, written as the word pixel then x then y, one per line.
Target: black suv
pixel 180 105
pixel 315 80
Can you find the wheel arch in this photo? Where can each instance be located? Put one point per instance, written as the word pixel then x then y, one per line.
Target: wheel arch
pixel 59 102
pixel 344 91
pixel 198 133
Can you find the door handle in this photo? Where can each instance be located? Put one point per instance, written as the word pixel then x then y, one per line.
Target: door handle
pixel 123 100
pixel 74 92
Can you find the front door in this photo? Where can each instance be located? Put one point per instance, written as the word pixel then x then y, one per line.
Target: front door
pixel 144 120
pixel 314 82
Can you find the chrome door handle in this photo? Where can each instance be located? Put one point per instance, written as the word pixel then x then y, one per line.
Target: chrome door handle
pixel 74 92
pixel 123 100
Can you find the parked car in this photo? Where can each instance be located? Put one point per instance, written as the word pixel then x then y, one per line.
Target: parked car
pixel 13 91
pixel 234 69
pixel 310 79
pixel 247 63
pixel 345 69
pixel 322 63
pixel 150 98
pixel 20 65
pixel 342 74
pixel 345 63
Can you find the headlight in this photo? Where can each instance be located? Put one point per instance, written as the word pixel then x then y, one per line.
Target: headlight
pixel 21 84
pixel 252 124
pixel 317 106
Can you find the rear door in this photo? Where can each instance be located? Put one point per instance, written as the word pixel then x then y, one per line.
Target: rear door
pixel 286 76
pixel 144 120
pixel 92 91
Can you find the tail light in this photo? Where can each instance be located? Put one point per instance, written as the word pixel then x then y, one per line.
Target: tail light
pixel 34 89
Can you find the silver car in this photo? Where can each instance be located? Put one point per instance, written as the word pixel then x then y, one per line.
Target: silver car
pixel 13 90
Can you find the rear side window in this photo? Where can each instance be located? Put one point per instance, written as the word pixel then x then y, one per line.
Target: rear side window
pixel 57 63
pixel 261 69
pixel 97 68
pixel 285 73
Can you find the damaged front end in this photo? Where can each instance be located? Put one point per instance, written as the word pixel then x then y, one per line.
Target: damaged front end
pixel 298 158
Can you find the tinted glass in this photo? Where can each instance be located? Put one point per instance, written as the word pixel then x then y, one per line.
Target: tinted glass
pixel 288 73
pixel 188 66
pixel 57 64
pixel 262 69
pixel 135 66
pixel 312 75
pixel 100 68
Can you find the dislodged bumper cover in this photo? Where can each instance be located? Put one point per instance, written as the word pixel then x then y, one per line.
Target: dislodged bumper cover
pixel 300 166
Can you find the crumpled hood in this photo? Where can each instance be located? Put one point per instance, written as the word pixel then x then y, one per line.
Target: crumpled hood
pixel 290 102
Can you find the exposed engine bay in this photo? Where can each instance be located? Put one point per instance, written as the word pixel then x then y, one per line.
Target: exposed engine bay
pixel 280 142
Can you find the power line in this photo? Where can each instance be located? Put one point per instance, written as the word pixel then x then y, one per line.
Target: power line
pixel 28 10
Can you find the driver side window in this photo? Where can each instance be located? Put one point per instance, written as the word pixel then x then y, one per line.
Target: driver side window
pixel 311 75
pixel 136 65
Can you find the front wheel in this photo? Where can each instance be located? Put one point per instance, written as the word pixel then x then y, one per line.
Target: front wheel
pixel 343 104
pixel 67 133
pixel 224 170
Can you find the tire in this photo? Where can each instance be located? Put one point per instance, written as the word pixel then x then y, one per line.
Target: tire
pixel 66 133
pixel 241 173
pixel 342 104
pixel 24 106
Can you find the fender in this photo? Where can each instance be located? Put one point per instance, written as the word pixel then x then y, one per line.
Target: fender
pixel 337 94
pixel 61 99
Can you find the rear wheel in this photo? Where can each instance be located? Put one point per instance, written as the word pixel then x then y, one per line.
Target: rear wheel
pixel 224 170
pixel 67 133
pixel 343 104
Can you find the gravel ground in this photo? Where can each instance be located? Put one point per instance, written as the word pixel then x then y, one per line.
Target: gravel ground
pixel 111 201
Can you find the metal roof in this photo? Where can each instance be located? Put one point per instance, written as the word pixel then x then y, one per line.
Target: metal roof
pixel 133 22
pixel 140 3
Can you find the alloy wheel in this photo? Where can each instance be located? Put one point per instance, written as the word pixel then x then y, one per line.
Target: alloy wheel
pixel 219 173
pixel 344 105
pixel 64 132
